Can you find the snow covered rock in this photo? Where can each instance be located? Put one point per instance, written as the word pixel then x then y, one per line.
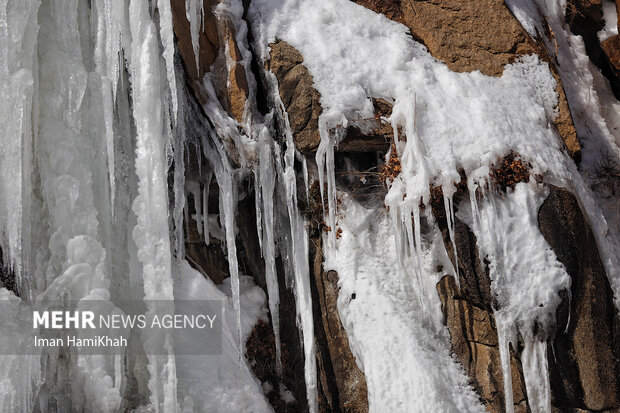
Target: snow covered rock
pixel 585 372
pixel 301 100
pixel 473 336
pixel 302 103
pixel 474 35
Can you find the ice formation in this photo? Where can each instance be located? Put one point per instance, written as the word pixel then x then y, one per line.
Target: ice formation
pixel 91 133
pixel 452 122
pixel 96 116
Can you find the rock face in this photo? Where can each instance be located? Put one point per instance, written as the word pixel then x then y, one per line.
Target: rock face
pixel 611 47
pixel 583 356
pixel 474 342
pixel 347 391
pixel 469 317
pixel 208 38
pixel 213 37
pixel 301 100
pixel 467 35
pixel 302 103
pixel 585 370
pixel 474 35
pixel 585 19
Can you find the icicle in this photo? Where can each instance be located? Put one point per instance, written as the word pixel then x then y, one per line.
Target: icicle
pixel 227 195
pixel 167 39
pixel 299 248
pixel 205 207
pixel 536 375
pixel 195 17
pixel 504 354
pixel 179 150
pixel 325 163
pixel 449 208
pixel 186 212
pixel 215 152
pixel 258 208
pixel 110 15
pixel 418 252
pixel 17 51
pixel 304 164
pixel 110 20
pixel 151 205
pixel 266 189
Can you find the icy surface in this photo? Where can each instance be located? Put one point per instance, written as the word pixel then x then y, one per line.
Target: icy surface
pixel 610 17
pixel 265 193
pixel 401 346
pixel 219 384
pixel 20 376
pixel 525 283
pixel 18 31
pixel 151 234
pixel 596 113
pixel 93 122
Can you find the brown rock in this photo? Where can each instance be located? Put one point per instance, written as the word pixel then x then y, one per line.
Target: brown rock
pixel 208 39
pixel 232 93
pixel 302 103
pixel 611 47
pixel 467 35
pixel 590 8
pixel 210 259
pixel 369 135
pixel 238 89
pixel 584 362
pixel 468 313
pixel 474 342
pixel 301 100
pixel 343 384
pixel 473 35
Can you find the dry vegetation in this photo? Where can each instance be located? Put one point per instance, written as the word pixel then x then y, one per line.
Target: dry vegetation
pixel 391 169
pixel 508 172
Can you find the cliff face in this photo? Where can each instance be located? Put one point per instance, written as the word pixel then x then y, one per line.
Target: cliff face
pixel 583 348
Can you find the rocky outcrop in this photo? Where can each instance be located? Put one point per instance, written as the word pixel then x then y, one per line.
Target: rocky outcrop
pixel 215 36
pixel 302 103
pixel 467 35
pixel 301 100
pixel 474 35
pixel 585 19
pixel 208 39
pixel 473 337
pixel 344 390
pixel 611 47
pixel 583 357
pixel 468 314
pixel 583 351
